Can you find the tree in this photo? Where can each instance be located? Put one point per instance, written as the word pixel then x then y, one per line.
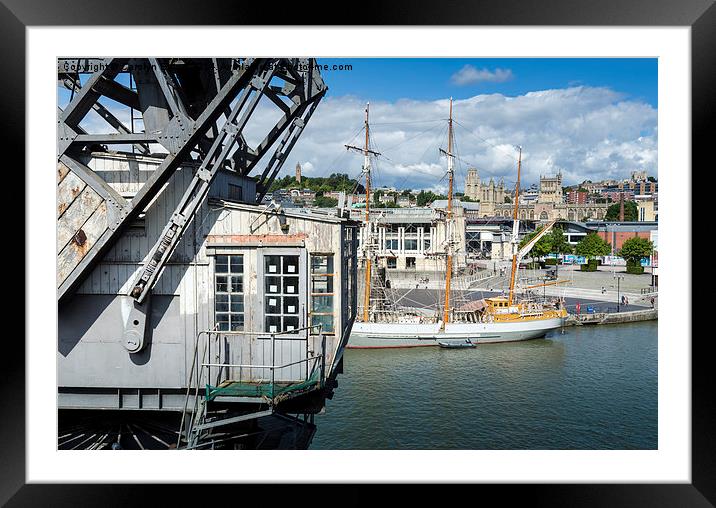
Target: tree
pixel 539 249
pixel 630 211
pixel 339 182
pixel 592 246
pixel 424 198
pixel 636 248
pixel 651 179
pixel 324 202
pixel 558 242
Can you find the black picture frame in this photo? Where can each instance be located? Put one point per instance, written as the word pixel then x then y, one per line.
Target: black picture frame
pixel 700 15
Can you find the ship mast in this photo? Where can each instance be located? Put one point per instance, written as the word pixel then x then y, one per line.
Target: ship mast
pixel 515 229
pixel 367 244
pixel 448 229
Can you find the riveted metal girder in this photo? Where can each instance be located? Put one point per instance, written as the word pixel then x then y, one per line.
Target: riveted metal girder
pixel 181 102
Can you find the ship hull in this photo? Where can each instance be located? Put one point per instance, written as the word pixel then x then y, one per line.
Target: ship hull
pixel 401 335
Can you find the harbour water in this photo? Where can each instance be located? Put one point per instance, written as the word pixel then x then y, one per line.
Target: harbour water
pixel 591 387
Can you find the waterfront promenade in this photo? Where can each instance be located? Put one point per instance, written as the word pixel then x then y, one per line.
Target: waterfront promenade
pixel 586 288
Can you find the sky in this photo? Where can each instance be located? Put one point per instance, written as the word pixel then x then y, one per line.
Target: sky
pixel 588 118
pixel 591 119
pixel 391 79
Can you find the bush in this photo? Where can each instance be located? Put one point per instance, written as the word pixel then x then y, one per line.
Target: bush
pixel 591 266
pixel 532 266
pixel 550 261
pixel 634 268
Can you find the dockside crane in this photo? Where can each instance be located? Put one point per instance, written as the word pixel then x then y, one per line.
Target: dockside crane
pixel 195 110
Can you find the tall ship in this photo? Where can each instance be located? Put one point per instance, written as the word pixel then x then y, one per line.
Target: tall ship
pixel 381 323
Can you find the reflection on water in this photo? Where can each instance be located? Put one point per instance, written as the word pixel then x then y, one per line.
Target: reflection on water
pixel 589 388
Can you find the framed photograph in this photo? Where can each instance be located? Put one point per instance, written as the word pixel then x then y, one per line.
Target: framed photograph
pixel 424 248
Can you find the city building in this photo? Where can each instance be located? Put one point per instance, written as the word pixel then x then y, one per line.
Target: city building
pixel 577 197
pixel 615 193
pixel 543 203
pixel 638 176
pixel 406 201
pixel 414 238
pixel 529 195
pixel 550 189
pixel 489 195
pixel 616 233
pixel 647 208
pixel 386 198
pixel 303 196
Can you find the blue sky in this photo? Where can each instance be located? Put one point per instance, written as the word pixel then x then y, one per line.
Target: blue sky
pixel 429 79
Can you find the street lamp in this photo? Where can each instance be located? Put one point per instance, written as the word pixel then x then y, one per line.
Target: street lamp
pixel 619 301
pixel 556 265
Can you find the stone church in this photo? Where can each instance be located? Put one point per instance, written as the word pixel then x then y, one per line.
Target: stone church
pixel 488 195
pixel 549 205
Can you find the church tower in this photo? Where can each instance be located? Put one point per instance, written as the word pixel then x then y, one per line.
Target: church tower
pixel 550 189
pixel 472 184
pixel 298 172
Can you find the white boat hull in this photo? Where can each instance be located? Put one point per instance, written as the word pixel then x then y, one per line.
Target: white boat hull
pixel 391 335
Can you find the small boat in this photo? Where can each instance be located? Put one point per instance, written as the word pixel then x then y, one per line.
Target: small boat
pixel 456 345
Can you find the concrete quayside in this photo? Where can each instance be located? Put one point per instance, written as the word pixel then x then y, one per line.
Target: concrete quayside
pixel 612 318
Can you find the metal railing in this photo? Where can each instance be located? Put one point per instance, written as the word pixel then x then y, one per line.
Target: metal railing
pixel 201 366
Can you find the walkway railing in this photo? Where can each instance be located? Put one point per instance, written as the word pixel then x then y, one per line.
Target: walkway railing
pixel 201 371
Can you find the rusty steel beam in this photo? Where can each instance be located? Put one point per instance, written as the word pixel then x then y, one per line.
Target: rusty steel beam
pixel 194 133
pixel 188 138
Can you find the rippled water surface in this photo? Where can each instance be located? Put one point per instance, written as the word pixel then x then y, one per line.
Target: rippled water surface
pixel 589 388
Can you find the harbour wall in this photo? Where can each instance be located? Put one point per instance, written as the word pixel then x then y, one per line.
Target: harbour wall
pixel 609 318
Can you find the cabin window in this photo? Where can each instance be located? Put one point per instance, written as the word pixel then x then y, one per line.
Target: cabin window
pixel 280 293
pixel 322 293
pixel 236 192
pixel 229 292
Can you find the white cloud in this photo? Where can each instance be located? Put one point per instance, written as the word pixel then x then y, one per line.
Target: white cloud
pixel 587 133
pixel 469 75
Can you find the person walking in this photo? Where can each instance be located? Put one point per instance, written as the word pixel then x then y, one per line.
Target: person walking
pixel 578 307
